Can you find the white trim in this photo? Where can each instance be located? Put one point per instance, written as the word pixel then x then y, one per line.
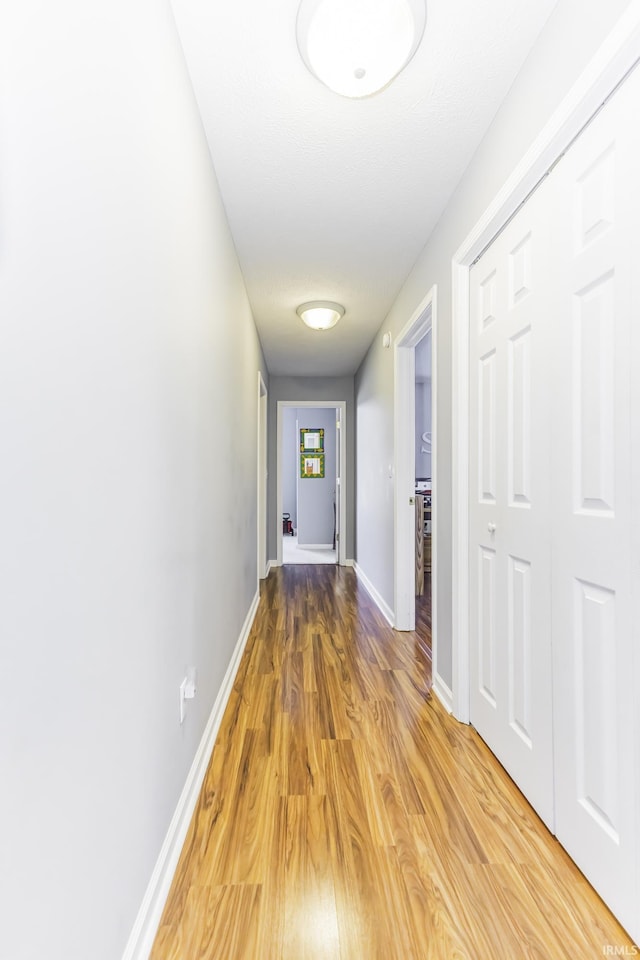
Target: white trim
pixel 342 434
pixel 443 693
pixel 349 563
pixel 278 517
pixel 147 922
pixel 261 491
pixel 316 546
pixel 435 525
pixel 384 607
pixel 423 319
pixel 460 494
pixel 268 568
pixel 615 57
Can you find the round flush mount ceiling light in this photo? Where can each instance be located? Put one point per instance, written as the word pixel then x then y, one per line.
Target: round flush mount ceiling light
pixel 320 314
pixel 357 47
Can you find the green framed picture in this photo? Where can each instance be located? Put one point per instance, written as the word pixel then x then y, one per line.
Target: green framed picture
pixel 312 440
pixel 311 466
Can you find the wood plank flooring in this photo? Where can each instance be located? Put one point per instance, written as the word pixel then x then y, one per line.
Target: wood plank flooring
pixel 346 815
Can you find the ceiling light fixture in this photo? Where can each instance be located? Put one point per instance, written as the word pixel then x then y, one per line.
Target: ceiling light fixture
pixel 356 47
pixel 320 314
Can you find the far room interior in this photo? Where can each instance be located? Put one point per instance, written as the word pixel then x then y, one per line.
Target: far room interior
pixel 309 488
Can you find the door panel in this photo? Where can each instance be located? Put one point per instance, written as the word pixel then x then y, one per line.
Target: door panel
pixel 596 791
pixel 488 652
pixel 487 428
pixel 519 649
pixel 510 602
pixel 519 419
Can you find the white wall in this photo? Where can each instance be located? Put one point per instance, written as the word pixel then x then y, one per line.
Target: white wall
pixel 128 442
pixel 570 37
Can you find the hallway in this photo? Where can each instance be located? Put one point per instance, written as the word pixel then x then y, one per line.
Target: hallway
pixel 346 815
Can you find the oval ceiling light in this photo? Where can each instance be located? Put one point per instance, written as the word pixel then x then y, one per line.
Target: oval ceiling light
pixel 357 47
pixel 320 314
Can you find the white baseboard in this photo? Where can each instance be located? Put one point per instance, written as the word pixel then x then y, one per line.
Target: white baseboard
pixel 147 922
pixel 270 564
pixel 384 607
pixel 349 563
pixel 443 693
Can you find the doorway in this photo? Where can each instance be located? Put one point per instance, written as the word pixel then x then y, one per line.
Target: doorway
pixel 311 544
pixel 409 455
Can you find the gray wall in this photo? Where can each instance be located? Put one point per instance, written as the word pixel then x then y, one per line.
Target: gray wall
pixel 423 425
pixel 423 404
pixel 571 36
pixel 128 430
pixel 316 495
pixel 311 388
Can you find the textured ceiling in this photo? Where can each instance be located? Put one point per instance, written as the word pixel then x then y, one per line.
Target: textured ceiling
pixel 330 198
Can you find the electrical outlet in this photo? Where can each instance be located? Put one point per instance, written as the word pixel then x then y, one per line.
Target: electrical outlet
pixel 183 694
pixel 190 691
pixel 187 690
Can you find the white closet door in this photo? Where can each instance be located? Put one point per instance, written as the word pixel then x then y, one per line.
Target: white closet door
pixel 555 501
pixel 510 600
pixel 595 538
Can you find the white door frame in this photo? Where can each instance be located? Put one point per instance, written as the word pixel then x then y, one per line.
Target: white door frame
pixel 421 321
pixel 611 63
pixel 262 479
pixel 333 404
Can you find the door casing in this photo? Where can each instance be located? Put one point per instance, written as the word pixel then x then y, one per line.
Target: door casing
pixel 262 479
pixel 419 324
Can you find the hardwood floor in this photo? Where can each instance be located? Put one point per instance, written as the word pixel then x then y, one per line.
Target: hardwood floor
pixel 346 815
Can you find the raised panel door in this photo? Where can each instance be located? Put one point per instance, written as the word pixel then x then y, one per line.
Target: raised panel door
pixel 593 519
pixel 510 603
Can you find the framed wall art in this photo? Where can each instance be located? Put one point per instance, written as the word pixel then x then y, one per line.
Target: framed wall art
pixel 312 440
pixel 311 466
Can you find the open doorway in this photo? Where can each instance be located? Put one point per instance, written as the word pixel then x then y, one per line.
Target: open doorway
pixel 415 467
pixel 310 482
